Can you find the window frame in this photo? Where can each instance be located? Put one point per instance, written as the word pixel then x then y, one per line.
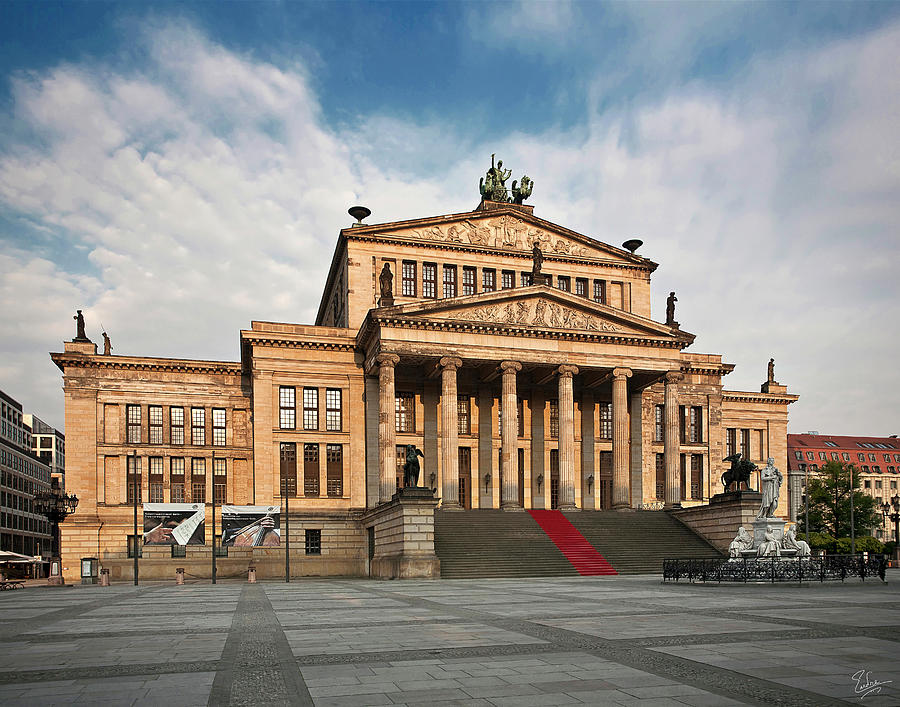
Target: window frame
pixel 429 280
pixel 310 408
pixel 133 424
pixel 219 434
pixel 198 439
pixel 334 415
pixel 155 424
pixel 176 428
pixel 449 280
pixel 409 278
pixel 287 407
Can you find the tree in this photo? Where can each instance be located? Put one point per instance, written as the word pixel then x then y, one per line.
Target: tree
pixel 829 503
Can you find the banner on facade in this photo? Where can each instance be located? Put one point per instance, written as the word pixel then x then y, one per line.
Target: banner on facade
pixel 174 524
pixel 251 526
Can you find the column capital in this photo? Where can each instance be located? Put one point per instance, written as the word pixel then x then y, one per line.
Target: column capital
pixel 621 373
pixel 387 359
pixel 450 362
pixel 674 377
pixel 567 371
pixel 513 366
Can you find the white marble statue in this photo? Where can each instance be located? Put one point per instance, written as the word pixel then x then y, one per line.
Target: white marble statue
pixel 743 541
pixel 769 547
pixel 790 542
pixel 770 486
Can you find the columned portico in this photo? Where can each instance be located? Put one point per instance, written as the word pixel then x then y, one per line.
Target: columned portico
pixel 387 440
pixel 449 433
pixel 671 440
pixel 566 438
pixel 621 496
pixel 509 492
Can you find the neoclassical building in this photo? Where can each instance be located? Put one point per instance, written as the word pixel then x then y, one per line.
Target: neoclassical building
pixel 519 356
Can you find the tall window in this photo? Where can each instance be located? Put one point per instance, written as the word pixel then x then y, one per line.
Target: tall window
pixel 449 281
pixel 405 411
pixel 220 480
pixel 310 408
pixel 133 478
pixel 288 469
pixel 176 479
pixel 333 409
pixel 745 443
pixel 581 286
pixel 659 430
pixel 660 476
pixel 176 425
pixel 310 469
pixel 526 279
pixel 334 470
pixel 287 407
pixel 409 278
pixel 198 480
pixel 468 280
pixel 464 414
pixel 606 418
pixel 554 418
pixel 155 471
pixel 507 279
pixel 695 429
pixel 198 426
pixel 133 413
pixel 429 280
pixel 155 413
pixel 730 441
pixel 564 283
pixel 600 291
pixel 696 476
pixel 488 280
pixel 218 428
pixel 313 544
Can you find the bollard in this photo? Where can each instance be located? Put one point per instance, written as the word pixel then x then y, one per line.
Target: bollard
pixel 179 575
pixel 104 577
pixel 251 575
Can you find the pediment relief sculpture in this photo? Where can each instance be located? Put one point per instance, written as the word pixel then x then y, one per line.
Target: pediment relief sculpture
pixel 534 312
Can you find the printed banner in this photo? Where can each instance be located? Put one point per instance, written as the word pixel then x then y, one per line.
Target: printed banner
pixel 251 526
pixel 174 524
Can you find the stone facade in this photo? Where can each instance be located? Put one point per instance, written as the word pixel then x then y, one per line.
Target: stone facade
pixel 520 394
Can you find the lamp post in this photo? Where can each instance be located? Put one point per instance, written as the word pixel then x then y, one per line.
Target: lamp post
pixel 852 523
pixel 886 509
pixel 285 494
pixel 213 570
pixel 806 503
pixel 55 506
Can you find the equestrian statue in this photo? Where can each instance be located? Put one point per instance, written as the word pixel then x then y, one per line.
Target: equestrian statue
pixel 739 473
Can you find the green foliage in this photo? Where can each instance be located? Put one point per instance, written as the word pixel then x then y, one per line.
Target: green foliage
pixel 820 541
pixel 867 543
pixel 829 503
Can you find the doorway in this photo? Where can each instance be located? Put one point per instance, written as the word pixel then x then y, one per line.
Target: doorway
pixel 465 477
pixel 554 479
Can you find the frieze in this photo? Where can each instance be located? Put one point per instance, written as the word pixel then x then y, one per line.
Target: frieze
pixel 537 312
pixel 506 232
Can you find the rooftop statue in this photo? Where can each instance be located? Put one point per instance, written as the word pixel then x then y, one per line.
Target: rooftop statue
pixel 670 309
pixel 79 327
pixel 493 185
pixel 523 191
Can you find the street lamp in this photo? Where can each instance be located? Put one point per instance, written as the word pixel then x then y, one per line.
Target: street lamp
pixel 55 506
pixel 886 509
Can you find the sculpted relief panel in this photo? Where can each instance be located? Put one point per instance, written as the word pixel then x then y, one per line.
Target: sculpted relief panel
pixel 502 232
pixel 537 312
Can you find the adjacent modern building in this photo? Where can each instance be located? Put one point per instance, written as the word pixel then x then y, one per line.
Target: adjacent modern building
pixel 48 445
pixel 876 459
pixel 520 357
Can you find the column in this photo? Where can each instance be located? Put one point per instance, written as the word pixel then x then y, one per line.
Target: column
pixel 671 440
pixel 566 438
pixel 387 426
pixel 449 433
pixel 509 493
pixel 620 491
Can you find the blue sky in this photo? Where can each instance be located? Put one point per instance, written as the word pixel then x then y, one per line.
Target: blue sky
pixel 176 169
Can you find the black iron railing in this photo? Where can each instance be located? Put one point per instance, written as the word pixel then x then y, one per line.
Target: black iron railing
pixel 824 568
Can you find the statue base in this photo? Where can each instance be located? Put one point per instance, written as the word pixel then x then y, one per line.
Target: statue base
pixel 763 525
pixel 402 536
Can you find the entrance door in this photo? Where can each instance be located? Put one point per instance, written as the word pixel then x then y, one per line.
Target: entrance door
pixel 606 463
pixel 554 479
pixel 521 477
pixel 465 477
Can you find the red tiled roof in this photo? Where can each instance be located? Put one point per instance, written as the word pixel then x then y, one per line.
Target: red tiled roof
pixel 851 445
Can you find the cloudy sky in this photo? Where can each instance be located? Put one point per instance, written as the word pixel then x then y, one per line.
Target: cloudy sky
pixel 176 170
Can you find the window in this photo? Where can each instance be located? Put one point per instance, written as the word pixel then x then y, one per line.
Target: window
pixel 824 457
pixel 878 485
pixel 155 471
pixel 861 457
pixel 554 418
pixel 198 426
pixel 526 279
pixel 198 480
pixel 745 443
pixel 599 291
pixel 845 456
pixel 876 469
pixel 830 444
pixel 887 457
pixel 288 469
pixel 176 425
pixel 696 476
pixel 564 283
pixel 799 456
pixel 507 280
pixel 178 551
pixel 835 456
pixel 865 467
pixel 405 412
pixel 520 417
pixel 176 479
pixel 310 469
pixel 133 413
pixel 218 422
pixel 897 457
pixel 220 480
pixel 155 413
pixel 810 456
pixel 730 441
pixel 872 458
pixel 468 281
pixel 133 478
pixel 409 278
pixel 429 280
pixel 313 541
pixel 310 408
pixel 334 470
pixel 449 281
pixel 695 430
pixel 287 407
pixel 132 545
pixel 606 420
pixel 660 476
pixel 488 280
pixel 581 286
pixel 659 429
pixel 463 414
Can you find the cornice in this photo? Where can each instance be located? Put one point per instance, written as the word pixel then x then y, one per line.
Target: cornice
pixel 721 369
pixel 306 344
pixel 64 360
pixel 735 396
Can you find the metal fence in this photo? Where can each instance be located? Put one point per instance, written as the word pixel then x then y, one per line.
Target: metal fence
pixel 823 568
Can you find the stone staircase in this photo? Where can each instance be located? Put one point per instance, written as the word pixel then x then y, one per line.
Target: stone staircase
pixel 494 543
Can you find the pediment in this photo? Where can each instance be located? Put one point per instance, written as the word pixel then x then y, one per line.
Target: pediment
pixel 537 307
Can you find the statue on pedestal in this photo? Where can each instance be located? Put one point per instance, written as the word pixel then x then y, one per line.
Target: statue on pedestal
pixel 386 285
pixel 790 542
pixel 107 345
pixel 770 486
pixel 769 547
pixel 739 473
pixel 771 372
pixel 670 309
pixel 79 327
pixel 743 541
pixel 411 468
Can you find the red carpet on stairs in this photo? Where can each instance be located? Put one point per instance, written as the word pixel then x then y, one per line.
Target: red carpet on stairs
pixel 583 556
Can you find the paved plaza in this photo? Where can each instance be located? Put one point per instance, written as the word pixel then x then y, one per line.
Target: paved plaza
pixel 549 641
